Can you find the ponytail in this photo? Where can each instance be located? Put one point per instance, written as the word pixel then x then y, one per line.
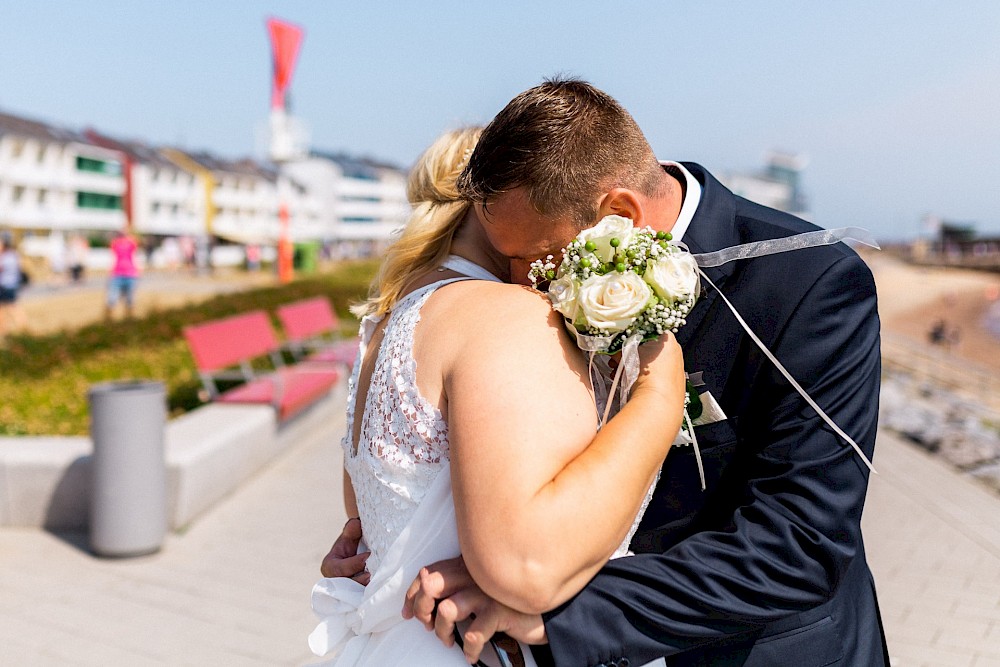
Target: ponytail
pixel 438 211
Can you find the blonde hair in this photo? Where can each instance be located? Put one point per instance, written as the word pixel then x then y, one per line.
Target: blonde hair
pixel 438 210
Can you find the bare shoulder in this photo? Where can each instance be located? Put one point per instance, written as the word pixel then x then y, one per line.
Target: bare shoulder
pixel 480 307
pixel 481 302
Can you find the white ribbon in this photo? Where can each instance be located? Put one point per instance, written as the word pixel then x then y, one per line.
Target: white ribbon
pixel 625 375
pixel 795 242
pixel 630 357
pixel 788 376
pixel 771 247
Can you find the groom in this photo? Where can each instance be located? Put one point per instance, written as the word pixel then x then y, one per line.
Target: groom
pixel 766 566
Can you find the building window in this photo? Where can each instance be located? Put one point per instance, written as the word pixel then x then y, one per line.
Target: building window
pixel 98 200
pixel 93 165
pixel 17 193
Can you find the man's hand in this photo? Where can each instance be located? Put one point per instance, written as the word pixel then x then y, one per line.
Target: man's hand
pixel 344 559
pixel 444 594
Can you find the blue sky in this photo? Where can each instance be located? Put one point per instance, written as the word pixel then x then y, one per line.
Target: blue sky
pixel 896 104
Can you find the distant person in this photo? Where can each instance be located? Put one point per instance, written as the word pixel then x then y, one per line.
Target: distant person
pixel 186 244
pixel 124 274
pixel 10 284
pixel 170 250
pixel 253 257
pixel 79 248
pixel 938 333
pixel 57 253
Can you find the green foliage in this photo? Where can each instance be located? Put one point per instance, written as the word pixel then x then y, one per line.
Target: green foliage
pixel 44 379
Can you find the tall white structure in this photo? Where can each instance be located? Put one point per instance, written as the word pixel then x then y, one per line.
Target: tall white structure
pixel 363 201
pixel 778 185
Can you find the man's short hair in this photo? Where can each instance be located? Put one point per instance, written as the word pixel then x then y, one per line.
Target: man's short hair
pixel 566 142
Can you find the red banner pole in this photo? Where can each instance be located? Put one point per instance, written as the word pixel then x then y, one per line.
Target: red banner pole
pixel 286 38
pixel 285 269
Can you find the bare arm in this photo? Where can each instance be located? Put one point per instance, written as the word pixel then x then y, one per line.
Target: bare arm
pixel 541 501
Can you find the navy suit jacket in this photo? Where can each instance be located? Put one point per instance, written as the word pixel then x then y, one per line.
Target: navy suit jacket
pixel 766 566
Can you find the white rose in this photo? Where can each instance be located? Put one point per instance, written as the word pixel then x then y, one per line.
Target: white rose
pixel 674 276
pixel 563 295
pixel 610 227
pixel 612 302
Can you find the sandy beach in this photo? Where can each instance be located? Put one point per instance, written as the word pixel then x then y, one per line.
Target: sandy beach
pixel 912 298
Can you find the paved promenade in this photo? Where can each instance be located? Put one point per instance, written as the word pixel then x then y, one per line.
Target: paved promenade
pixel 234 588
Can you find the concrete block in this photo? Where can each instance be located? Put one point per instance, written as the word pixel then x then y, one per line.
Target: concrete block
pixel 46 481
pixel 4 501
pixel 210 451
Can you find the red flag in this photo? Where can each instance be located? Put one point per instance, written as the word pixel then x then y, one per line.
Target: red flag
pixel 286 38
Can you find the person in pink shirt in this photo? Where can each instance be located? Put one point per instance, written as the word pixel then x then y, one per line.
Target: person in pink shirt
pixel 124 273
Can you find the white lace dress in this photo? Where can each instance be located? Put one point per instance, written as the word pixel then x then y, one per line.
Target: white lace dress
pixel 402 481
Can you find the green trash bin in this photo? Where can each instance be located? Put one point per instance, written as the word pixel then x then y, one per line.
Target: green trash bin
pixel 306 257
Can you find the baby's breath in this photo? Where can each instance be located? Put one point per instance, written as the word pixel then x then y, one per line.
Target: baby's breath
pixel 645 246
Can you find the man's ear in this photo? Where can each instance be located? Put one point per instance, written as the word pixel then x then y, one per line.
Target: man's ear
pixel 623 202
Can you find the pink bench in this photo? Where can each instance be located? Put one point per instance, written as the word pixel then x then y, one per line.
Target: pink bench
pixel 312 331
pixel 220 345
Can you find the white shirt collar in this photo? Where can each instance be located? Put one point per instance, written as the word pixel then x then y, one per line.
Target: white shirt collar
pixel 692 197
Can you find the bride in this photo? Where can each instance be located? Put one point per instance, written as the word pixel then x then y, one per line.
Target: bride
pixel 472 429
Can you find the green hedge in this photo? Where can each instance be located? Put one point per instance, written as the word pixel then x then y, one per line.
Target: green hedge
pixel 44 379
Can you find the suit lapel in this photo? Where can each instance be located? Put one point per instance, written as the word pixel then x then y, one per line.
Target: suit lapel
pixel 712 228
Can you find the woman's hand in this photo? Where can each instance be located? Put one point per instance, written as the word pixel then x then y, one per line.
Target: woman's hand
pixel 344 559
pixel 444 594
pixel 661 368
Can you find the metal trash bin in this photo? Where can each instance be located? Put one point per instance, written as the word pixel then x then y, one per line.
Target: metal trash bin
pixel 128 502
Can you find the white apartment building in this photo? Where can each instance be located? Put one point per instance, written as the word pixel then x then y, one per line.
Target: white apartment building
pixel 54 179
pixel 246 198
pixel 163 198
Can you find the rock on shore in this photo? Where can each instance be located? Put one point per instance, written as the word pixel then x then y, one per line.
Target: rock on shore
pixel 963 433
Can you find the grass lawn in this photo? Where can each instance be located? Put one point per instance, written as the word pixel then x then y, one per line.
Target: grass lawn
pixel 44 379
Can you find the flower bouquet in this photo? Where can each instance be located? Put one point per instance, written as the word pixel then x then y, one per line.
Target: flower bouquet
pixel 618 286
pixel 616 282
